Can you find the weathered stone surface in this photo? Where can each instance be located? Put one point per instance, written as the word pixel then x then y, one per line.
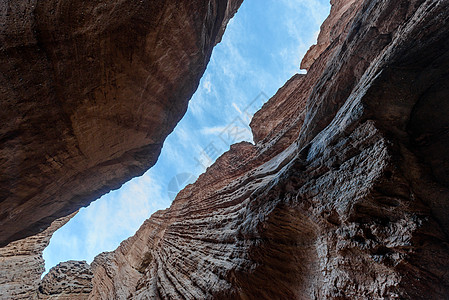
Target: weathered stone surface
pixel 70 280
pixel 344 196
pixel 90 90
pixel 22 264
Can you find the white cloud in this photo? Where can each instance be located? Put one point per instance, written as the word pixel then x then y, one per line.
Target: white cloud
pixel 121 213
pixel 207 86
pixel 107 221
pixel 236 108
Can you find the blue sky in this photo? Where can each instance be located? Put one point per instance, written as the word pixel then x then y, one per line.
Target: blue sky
pixel 260 50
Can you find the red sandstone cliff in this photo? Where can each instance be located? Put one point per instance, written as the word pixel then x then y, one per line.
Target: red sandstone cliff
pixel 345 194
pixel 22 264
pixel 90 90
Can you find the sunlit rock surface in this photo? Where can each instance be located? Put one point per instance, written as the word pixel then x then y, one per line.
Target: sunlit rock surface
pixel 90 90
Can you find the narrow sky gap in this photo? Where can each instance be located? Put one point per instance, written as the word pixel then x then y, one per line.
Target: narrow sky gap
pixel 260 50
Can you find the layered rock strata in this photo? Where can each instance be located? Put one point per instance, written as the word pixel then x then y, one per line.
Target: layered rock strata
pixel 332 29
pixel 22 264
pixel 70 280
pixel 345 194
pixel 90 90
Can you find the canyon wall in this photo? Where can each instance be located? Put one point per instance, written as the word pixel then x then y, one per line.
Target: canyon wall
pixel 345 193
pixel 90 90
pixel 22 264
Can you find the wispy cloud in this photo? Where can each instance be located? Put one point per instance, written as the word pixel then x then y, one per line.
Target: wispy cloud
pixel 207 85
pixel 237 108
pixel 261 49
pixel 107 221
pixel 214 130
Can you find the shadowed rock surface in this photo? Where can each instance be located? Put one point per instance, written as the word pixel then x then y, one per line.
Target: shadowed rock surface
pixel 345 193
pixel 90 90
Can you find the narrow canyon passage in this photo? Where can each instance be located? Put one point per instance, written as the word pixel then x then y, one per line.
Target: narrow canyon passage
pixel 242 72
pixel 342 194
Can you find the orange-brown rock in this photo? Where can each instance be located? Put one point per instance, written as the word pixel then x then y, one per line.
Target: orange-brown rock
pixel 345 194
pixel 71 280
pixel 90 90
pixel 334 28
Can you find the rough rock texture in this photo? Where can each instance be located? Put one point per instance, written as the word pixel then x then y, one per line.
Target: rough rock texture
pixel 70 280
pixel 344 196
pixel 332 29
pixel 22 264
pixel 90 90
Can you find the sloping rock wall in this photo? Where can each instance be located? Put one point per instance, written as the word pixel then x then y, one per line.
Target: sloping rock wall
pixel 345 193
pixel 90 90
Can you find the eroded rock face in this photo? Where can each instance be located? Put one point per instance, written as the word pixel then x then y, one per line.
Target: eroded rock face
pixel 22 264
pixel 90 90
pixel 334 28
pixel 345 194
pixel 70 280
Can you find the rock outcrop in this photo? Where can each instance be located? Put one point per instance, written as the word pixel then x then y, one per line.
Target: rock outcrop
pixel 333 28
pixel 22 264
pixel 90 90
pixel 345 194
pixel 70 280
